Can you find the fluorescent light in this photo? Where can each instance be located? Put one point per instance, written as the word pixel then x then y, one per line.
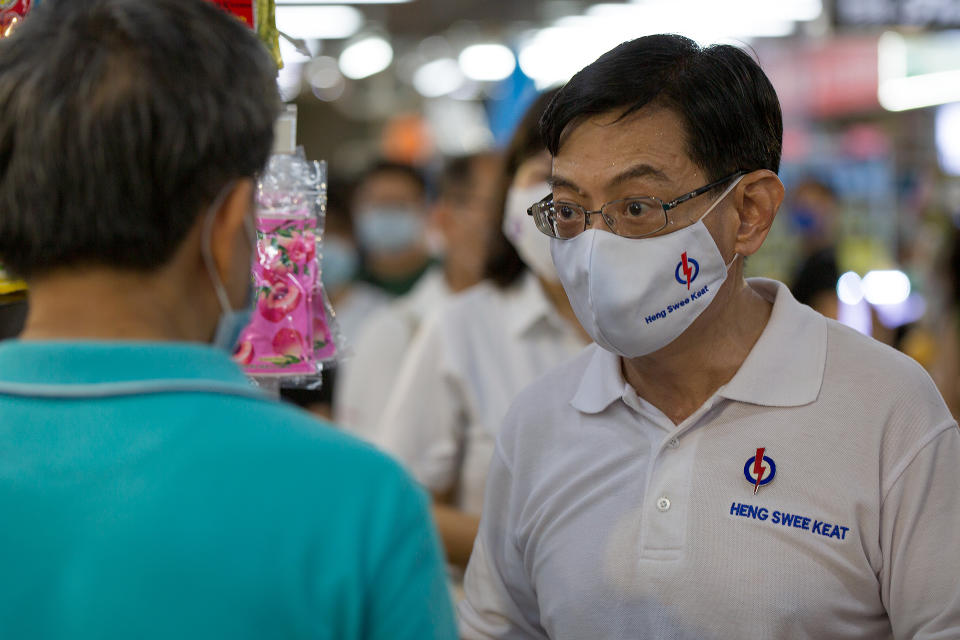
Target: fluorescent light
pixel 886 287
pixel 324 78
pixel 281 3
pixel 947 129
pixel 330 22
pixel 554 54
pixel 290 54
pixel 916 92
pixel 898 91
pixel 366 57
pixel 289 80
pixel 487 62
pixel 849 288
pixel 438 78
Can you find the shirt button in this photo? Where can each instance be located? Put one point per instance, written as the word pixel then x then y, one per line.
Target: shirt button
pixel 674 443
pixel 663 503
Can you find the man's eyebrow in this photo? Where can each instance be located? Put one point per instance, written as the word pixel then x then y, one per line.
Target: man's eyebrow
pixel 638 171
pixel 559 181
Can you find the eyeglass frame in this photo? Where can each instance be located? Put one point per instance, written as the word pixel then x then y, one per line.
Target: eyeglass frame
pixel 665 206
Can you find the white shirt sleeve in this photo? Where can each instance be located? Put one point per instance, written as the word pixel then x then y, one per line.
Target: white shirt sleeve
pixel 500 601
pixel 920 539
pixel 423 422
pixel 368 377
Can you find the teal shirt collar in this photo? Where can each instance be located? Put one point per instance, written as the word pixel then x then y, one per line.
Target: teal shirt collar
pixel 91 368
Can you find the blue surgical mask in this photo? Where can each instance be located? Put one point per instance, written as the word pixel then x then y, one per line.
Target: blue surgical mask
pixel 390 229
pixel 231 322
pixel 339 264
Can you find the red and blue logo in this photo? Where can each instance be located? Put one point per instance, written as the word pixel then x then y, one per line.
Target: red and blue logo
pixel 688 268
pixel 759 470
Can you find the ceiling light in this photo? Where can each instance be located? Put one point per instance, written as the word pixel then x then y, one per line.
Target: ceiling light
pixel 487 62
pixel 886 287
pixel 281 3
pixel 850 288
pixel 331 22
pixel 438 78
pixel 366 57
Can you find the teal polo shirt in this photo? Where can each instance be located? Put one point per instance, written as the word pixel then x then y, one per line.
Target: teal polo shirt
pixel 148 491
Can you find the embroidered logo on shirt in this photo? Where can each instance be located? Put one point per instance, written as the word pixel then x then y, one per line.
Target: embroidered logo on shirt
pixel 790 520
pixel 690 267
pixel 759 470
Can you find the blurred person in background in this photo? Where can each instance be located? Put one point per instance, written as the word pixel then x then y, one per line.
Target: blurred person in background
pixel 147 490
pixel 724 462
pixel 353 300
pixel 475 354
pixel 462 217
pixel 390 216
pixel 814 216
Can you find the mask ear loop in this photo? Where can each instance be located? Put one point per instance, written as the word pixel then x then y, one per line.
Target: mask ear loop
pixel 206 236
pixel 723 195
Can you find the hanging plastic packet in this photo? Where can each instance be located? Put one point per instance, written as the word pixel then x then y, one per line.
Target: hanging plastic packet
pixel 12 13
pixel 291 333
pixel 242 9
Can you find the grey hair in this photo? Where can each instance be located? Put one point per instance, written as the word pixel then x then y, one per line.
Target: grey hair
pixel 120 121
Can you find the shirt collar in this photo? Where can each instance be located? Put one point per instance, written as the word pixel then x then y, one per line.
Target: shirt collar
pixel 762 378
pixel 91 362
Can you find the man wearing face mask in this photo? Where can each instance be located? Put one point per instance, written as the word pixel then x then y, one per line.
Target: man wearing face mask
pixel 390 216
pixel 724 462
pixel 147 490
pixel 461 215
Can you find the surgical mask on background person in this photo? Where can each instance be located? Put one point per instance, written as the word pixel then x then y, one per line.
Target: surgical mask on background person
pixel 390 229
pixel 635 296
pixel 520 229
pixel 340 262
pixel 231 322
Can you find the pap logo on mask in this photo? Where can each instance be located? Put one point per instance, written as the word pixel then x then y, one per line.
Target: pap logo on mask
pixel 687 270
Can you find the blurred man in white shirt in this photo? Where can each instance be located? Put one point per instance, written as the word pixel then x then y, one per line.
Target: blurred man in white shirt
pixel 461 218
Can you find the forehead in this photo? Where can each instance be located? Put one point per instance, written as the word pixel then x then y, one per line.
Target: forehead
pixel 389 186
pixel 600 147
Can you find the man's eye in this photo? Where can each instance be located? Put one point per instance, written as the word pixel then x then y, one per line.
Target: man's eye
pixel 637 208
pixel 565 211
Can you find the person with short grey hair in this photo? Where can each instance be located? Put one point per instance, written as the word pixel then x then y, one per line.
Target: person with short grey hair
pixel 147 490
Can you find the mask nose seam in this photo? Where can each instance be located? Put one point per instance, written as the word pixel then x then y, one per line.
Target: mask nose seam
pixel 591 306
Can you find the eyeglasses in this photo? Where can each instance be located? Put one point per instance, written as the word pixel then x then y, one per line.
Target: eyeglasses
pixel 630 217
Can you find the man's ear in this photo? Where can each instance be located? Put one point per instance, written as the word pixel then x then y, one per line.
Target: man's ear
pixel 758 197
pixel 228 236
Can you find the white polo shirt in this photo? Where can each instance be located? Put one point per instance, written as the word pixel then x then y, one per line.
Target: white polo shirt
pixel 462 373
pixel 603 519
pixel 367 378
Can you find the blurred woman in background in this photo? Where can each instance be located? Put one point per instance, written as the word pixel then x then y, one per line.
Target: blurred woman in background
pixel 473 356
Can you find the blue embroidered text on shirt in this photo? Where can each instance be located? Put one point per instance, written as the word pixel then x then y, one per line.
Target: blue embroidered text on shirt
pixel 783 518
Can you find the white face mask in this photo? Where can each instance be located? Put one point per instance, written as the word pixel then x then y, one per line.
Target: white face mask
pixel 636 296
pixel 520 229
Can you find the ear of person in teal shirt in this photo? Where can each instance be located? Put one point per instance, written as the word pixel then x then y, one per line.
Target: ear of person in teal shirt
pixel 148 491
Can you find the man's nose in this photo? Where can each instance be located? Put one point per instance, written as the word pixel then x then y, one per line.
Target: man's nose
pixel 596 221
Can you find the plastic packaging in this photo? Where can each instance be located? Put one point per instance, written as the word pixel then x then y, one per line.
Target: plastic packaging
pixel 291 333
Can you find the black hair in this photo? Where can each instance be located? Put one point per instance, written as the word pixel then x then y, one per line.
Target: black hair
pixel 120 120
pixel 728 106
pixel 457 176
pixel 390 166
pixel 504 265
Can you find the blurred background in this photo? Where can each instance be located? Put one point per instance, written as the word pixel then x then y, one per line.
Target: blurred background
pixel 870 91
